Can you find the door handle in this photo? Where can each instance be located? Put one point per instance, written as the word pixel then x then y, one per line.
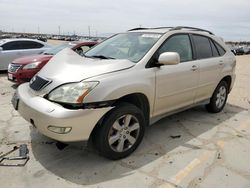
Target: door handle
pixel 221 63
pixel 194 68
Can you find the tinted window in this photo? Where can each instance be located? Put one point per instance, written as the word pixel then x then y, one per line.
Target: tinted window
pixel 202 46
pixel 220 49
pixel 180 44
pixel 10 46
pixel 29 45
pixel 214 50
pixel 19 45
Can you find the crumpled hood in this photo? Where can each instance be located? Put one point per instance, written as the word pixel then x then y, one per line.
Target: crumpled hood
pixel 67 66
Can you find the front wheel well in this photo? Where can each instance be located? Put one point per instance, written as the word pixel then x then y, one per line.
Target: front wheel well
pixel 139 100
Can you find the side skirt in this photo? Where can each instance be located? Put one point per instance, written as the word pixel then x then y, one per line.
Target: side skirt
pixel 157 118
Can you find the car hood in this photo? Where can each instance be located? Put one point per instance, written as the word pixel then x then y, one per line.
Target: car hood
pixel 67 66
pixel 34 58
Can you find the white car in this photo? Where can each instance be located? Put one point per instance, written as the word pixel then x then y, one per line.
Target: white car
pixel 126 83
pixel 11 49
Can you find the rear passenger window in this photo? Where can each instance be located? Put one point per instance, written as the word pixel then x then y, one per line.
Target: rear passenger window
pixel 220 49
pixel 214 50
pixel 180 44
pixel 29 45
pixel 202 46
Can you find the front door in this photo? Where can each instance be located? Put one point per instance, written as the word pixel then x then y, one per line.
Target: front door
pixel 176 85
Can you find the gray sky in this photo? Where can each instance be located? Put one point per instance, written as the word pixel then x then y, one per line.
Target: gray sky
pixel 229 19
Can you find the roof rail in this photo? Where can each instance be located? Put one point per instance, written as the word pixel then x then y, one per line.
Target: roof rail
pixel 193 28
pixel 141 28
pixel 137 28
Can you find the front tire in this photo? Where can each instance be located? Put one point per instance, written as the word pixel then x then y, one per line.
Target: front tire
pixel 219 98
pixel 120 132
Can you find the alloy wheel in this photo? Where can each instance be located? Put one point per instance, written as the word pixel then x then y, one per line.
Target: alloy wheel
pixel 221 97
pixel 124 133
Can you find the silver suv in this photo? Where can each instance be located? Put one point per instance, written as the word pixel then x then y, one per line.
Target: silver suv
pixel 126 83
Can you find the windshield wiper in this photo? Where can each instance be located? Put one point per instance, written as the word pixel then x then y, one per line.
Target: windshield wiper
pixel 101 57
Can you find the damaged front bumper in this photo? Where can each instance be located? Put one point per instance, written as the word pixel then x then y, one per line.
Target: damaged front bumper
pixel 53 120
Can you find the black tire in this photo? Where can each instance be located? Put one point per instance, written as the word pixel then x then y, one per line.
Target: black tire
pixel 102 133
pixel 212 106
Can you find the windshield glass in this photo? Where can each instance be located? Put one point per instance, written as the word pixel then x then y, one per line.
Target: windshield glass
pixel 56 49
pixel 131 46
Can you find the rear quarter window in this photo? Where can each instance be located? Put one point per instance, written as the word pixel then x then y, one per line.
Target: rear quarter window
pixel 214 49
pixel 221 50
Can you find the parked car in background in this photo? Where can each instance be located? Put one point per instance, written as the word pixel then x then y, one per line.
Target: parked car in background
pixel 41 38
pixel 23 69
pixel 239 51
pixel 125 83
pixel 246 49
pixel 11 49
pixel 233 49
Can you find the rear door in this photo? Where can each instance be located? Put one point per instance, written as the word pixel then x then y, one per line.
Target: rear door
pixel 176 84
pixel 30 48
pixel 210 65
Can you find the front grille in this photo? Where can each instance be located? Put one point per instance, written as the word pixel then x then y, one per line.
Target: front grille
pixel 13 67
pixel 37 83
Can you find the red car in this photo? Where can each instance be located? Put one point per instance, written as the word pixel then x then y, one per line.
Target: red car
pixel 23 69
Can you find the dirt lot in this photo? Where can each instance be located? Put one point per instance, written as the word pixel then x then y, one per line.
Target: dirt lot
pixel 209 150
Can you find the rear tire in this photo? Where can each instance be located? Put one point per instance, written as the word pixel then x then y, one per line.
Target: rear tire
pixel 120 132
pixel 219 98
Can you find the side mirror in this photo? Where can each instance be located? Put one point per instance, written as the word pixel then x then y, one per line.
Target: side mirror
pixel 169 58
pixel 1 49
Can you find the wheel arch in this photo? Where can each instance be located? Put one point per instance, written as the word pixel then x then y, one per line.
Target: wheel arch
pixel 140 100
pixel 228 80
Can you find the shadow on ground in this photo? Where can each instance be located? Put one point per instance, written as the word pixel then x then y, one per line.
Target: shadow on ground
pixel 82 165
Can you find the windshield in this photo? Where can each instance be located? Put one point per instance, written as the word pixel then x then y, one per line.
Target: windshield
pixel 131 46
pixel 56 49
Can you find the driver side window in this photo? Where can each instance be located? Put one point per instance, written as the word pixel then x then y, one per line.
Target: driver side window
pixel 180 44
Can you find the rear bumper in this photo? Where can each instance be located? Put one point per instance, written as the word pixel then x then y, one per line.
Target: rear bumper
pixel 43 113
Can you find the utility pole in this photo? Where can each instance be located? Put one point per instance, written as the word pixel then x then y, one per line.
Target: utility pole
pixel 59 30
pixel 38 30
pixel 89 31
